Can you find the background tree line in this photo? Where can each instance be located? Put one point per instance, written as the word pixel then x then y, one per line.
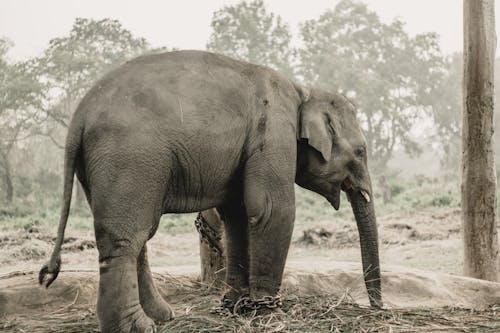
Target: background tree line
pixel 398 82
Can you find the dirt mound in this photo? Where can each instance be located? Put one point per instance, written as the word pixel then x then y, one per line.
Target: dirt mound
pixel 328 237
pixel 324 237
pixel 393 230
pixel 33 244
pixel 313 302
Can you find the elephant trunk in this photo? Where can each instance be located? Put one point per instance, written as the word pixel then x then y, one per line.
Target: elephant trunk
pixel 364 213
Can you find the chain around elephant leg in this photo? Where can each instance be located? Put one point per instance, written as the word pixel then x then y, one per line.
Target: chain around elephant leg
pixel 246 304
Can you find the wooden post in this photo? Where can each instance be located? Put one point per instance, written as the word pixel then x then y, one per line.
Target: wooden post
pixel 211 247
pixel 481 258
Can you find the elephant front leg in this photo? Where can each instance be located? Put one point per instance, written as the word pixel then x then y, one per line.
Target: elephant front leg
pixel 271 218
pixel 152 302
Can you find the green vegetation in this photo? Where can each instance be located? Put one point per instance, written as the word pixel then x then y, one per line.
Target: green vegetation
pixel 408 197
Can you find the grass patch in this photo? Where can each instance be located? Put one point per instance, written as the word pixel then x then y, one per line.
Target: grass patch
pixel 177 223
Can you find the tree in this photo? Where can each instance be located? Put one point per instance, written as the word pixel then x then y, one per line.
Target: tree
pixel 388 74
pixel 447 114
pixel 20 97
pixel 71 64
pixel 481 257
pixel 247 31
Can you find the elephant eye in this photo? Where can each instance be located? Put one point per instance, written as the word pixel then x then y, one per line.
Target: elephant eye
pixel 360 151
pixel 332 103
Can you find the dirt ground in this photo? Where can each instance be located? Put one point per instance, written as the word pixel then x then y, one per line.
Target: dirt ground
pixel 426 241
pixel 421 262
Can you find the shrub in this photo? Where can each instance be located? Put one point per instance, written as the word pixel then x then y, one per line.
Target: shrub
pixel 396 189
pixel 441 201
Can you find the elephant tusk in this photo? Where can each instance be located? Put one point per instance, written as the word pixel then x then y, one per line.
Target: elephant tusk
pixel 365 195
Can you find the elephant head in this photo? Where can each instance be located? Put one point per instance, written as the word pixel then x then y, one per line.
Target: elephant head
pixel 332 157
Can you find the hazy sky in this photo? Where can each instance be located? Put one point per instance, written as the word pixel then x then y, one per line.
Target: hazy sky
pixel 185 24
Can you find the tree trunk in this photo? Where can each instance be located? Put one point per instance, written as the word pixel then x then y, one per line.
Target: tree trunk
pixel 478 160
pixel 211 230
pixel 7 179
pixel 386 190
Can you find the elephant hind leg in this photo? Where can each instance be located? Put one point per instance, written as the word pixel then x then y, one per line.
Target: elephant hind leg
pixel 123 225
pixel 236 230
pixel 118 305
pixel 152 302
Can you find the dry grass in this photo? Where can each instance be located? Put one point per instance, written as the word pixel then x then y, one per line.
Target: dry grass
pixel 193 301
pixel 302 314
pixel 322 314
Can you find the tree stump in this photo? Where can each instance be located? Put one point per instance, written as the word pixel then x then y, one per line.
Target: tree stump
pixel 211 229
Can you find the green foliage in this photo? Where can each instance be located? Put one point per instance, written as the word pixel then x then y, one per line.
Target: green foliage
pixel 48 180
pixel 249 32
pixel 38 97
pixel 442 201
pixel 177 223
pixel 420 194
pixel 20 98
pixel 24 185
pixel 447 114
pixel 396 189
pixel 389 74
pixel 12 211
pixel 71 64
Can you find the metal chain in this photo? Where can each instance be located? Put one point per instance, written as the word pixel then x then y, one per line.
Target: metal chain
pixel 225 308
pixel 246 304
pixel 208 234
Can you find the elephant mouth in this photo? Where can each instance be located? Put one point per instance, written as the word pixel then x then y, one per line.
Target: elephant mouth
pixel 334 196
pixel 347 186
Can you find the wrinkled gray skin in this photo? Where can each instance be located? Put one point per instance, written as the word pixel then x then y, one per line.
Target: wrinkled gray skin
pixel 186 131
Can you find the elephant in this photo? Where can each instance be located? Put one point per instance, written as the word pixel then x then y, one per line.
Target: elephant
pixel 186 131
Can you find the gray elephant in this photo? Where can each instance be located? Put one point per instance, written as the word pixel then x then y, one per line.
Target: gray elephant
pixel 185 131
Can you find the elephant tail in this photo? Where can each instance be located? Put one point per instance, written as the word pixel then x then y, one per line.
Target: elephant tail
pixel 50 270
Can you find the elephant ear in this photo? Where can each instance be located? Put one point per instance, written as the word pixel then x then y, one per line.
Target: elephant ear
pixel 304 92
pixel 314 126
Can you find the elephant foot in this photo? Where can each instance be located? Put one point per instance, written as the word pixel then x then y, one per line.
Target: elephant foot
pixel 228 302
pixel 144 324
pixel 158 309
pixel 135 322
pixel 376 303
